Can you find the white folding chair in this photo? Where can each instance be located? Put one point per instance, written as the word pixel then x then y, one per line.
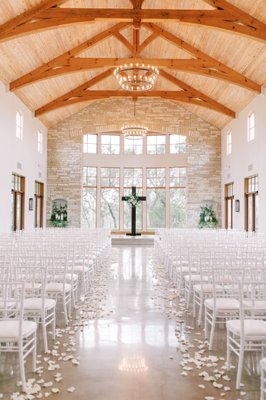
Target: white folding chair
pixel 248 333
pixel 57 286
pixel 263 379
pixel 37 306
pixel 225 303
pixel 16 334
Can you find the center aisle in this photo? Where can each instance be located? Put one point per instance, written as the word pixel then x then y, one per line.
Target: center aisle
pixel 131 353
pixel 130 339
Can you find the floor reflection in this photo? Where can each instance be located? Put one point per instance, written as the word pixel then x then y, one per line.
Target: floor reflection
pixel 136 321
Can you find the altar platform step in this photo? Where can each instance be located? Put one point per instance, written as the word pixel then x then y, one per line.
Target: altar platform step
pixel 144 240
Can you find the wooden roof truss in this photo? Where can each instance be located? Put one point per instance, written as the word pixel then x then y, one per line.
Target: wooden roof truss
pixel 48 14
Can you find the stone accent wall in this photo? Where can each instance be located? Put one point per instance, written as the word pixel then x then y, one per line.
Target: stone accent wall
pixel 65 150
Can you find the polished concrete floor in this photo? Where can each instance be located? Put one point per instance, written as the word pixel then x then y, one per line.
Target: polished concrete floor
pixel 127 340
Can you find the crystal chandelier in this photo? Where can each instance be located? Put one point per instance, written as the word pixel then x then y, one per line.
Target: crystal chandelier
pixel 136 77
pixel 134 129
pixel 134 365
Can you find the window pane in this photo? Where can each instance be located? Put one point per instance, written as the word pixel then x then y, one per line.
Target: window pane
pixel 90 144
pixel 155 177
pixel 105 139
pixel 40 135
pixel 110 177
pixel 110 144
pixel 178 144
pixel 229 213
pixel 19 125
pixel 18 210
pixel 133 177
pixel 89 176
pixel 89 208
pixel 178 208
pixel 251 127
pixel 256 212
pixel 156 144
pixel 133 145
pixel 178 176
pixel 250 213
pixel 12 211
pixel 127 211
pixel 155 208
pixel 110 208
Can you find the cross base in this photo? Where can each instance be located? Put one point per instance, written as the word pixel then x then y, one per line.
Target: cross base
pixel 133 234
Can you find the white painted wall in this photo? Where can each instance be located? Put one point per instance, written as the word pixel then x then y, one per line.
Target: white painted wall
pixel 14 151
pixel 247 159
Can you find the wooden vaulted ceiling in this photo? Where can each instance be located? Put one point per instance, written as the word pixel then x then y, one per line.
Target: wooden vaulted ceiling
pixel 59 55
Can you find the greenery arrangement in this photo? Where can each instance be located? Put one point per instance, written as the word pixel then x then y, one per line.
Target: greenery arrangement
pixel 207 217
pixel 59 215
pixel 132 200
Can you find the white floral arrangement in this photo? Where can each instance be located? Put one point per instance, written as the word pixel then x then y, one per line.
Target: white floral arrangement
pixel 132 200
pixel 208 218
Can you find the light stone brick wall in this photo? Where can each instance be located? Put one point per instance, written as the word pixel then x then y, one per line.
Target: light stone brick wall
pixel 65 155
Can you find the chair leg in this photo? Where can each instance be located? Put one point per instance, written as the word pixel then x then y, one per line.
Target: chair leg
pixel 54 323
pixel 22 368
pixel 194 306
pixel 228 352
pixel 240 365
pixel 34 354
pixel 44 332
pixel 212 331
pixel 69 307
pixel 206 324
pixel 200 311
pixel 262 384
pixel 65 310
pixel 188 296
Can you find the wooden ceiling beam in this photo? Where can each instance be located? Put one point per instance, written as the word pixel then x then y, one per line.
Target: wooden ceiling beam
pixel 147 41
pixel 195 66
pixel 28 15
pixel 73 94
pixel 137 4
pixel 226 72
pixel 198 94
pixel 56 17
pixel 181 96
pixel 135 42
pixel 237 13
pixel 123 40
pixel 47 69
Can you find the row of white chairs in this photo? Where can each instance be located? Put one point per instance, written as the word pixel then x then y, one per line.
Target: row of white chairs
pixel 36 283
pixel 225 280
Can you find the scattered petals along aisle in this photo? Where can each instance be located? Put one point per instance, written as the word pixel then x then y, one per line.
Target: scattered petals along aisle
pixel 49 375
pixel 205 369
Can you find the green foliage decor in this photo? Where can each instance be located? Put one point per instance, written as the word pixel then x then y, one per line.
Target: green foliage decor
pixel 207 217
pixel 59 216
pixel 132 200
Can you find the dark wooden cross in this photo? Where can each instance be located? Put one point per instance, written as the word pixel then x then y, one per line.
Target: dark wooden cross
pixel 133 211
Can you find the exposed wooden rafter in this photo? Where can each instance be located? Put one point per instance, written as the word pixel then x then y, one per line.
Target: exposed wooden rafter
pixel 123 40
pixel 135 42
pixel 28 15
pixel 196 66
pixel 42 72
pixel 226 72
pixel 147 41
pixel 50 18
pixel 182 96
pixel 81 91
pixel 76 93
pixel 211 103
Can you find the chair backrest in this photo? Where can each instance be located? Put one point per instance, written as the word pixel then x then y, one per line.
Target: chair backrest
pixel 12 300
pixel 252 296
